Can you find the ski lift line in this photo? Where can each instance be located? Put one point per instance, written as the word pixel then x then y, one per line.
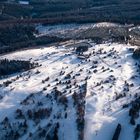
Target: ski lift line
pixel 108 64
pixel 53 126
pixel 103 61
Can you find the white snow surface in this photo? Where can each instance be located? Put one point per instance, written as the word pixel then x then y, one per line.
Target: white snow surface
pixel 102 112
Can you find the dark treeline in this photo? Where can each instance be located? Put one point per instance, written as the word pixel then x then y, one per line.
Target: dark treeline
pixel 10 35
pixel 117 132
pixel 74 11
pixel 20 36
pixel 136 54
pixel 8 67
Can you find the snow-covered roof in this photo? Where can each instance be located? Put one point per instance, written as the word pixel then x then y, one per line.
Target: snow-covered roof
pixel 24 2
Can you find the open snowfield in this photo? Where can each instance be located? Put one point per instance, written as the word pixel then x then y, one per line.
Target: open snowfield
pixel 109 72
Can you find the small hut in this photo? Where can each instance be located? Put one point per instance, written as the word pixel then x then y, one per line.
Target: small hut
pixel 80 47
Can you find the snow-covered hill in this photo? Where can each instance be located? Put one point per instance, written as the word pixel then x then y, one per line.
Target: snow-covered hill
pixel 68 97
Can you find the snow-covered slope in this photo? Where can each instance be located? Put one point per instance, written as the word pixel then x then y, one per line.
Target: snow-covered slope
pixel 109 89
pixel 66 85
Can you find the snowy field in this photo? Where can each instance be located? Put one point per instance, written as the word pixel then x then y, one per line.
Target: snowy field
pixel 62 29
pixel 72 30
pixel 112 82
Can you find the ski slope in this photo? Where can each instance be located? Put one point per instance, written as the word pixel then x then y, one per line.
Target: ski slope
pixel 108 71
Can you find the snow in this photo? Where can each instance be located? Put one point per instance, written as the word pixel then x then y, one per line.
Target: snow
pixel 102 112
pixel 24 2
pixel 73 30
pixel 106 24
pixel 62 29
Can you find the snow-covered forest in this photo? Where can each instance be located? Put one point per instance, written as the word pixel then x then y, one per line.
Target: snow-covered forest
pixel 70 95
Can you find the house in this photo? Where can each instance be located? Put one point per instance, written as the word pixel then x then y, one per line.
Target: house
pixel 80 46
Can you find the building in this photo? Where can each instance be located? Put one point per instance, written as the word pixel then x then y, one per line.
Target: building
pixel 24 2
